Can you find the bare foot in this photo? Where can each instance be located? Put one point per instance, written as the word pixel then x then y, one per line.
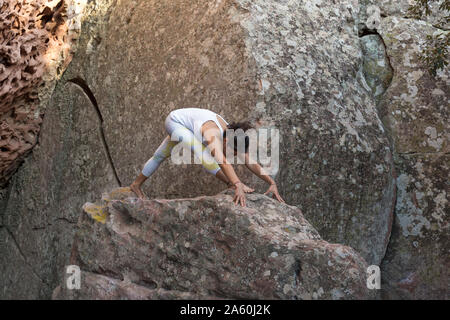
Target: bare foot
pixel 135 188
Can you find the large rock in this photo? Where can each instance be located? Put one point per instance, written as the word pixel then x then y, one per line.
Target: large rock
pixel 208 247
pixel 101 287
pixel 333 142
pixel 37 40
pixel 414 108
pixel 39 207
pixel 47 193
pixel 400 9
pixel 189 54
pixel 416 265
pixel 377 69
pixel 27 282
pixel 415 112
pixel 289 65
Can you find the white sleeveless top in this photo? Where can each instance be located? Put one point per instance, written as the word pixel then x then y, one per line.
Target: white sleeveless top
pixel 194 118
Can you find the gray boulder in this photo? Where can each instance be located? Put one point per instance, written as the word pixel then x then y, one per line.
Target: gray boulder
pixel 286 65
pixel 415 112
pixel 293 66
pixel 207 247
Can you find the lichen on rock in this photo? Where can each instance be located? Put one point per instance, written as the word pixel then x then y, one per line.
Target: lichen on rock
pixel 415 111
pixel 208 247
pixel 286 65
pixel 376 67
pixel 362 129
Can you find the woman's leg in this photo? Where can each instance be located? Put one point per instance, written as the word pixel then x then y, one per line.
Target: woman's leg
pixel 177 133
pixel 162 153
pixel 183 135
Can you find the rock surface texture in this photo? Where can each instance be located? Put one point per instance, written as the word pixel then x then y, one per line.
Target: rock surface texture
pixel 43 204
pixel 258 60
pixel 400 8
pixel 415 112
pixel 36 45
pixel 40 207
pixel 208 247
pixel 308 60
pixel 363 145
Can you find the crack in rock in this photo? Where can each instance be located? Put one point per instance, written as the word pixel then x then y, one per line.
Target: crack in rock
pixel 19 249
pixel 83 85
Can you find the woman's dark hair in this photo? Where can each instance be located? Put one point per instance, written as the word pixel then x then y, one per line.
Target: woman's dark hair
pixel 238 135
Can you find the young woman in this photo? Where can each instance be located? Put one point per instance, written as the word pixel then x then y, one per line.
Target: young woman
pixel 200 127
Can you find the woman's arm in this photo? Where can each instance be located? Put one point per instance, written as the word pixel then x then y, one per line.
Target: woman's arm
pixel 254 167
pixel 215 145
pixel 239 195
pixel 221 176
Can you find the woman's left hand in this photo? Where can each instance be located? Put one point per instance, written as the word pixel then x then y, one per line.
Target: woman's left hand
pixel 274 190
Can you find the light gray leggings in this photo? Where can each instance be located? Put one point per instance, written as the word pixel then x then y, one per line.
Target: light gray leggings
pixel 180 134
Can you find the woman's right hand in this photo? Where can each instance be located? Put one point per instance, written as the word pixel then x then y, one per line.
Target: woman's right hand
pixel 239 194
pixel 246 188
